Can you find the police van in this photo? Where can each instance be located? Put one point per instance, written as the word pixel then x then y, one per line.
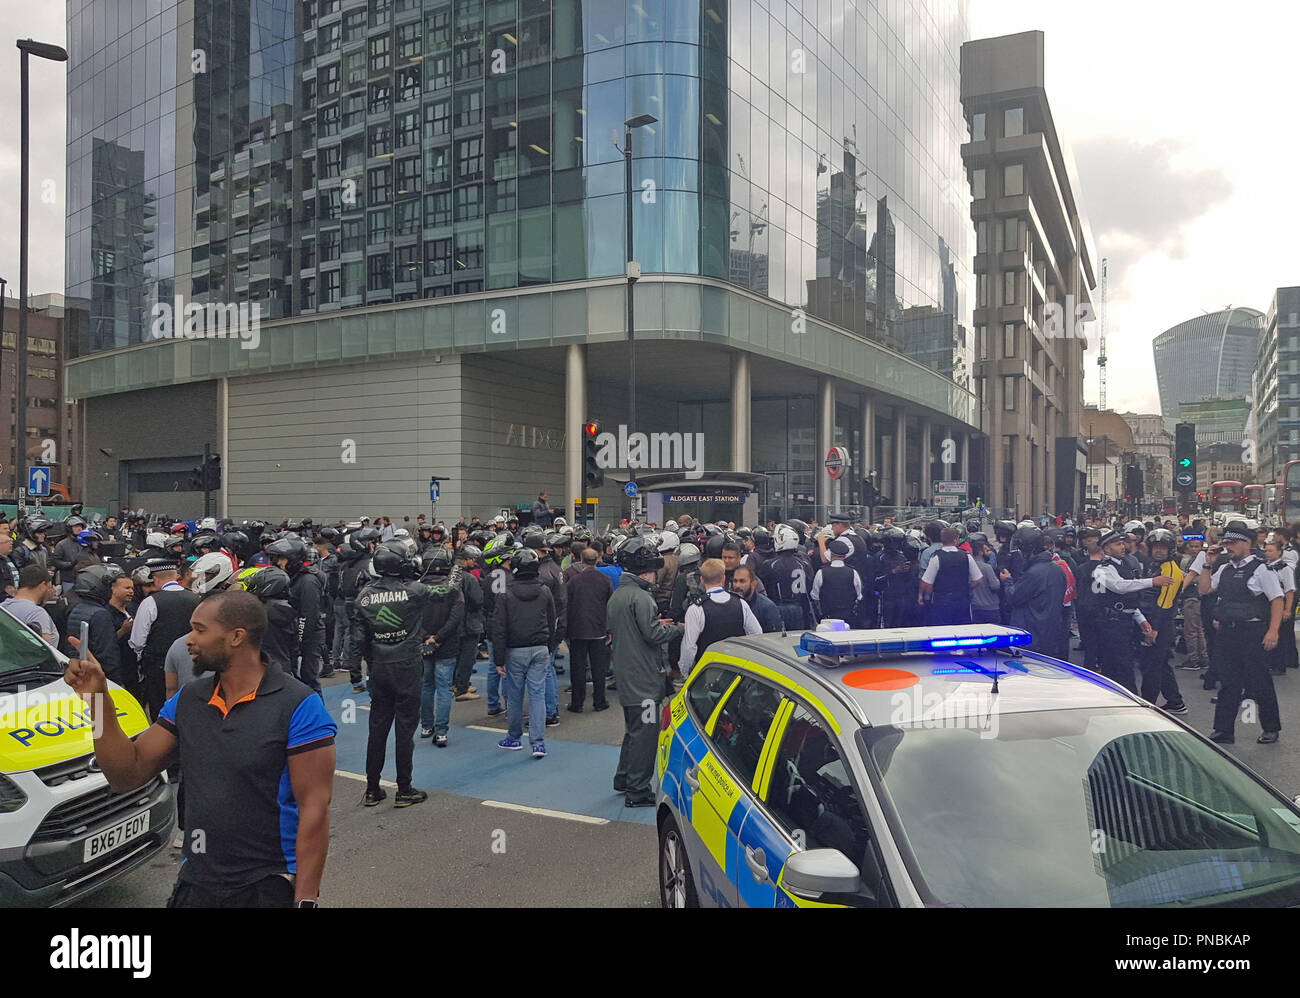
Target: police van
pixel 63 832
pixel 949 767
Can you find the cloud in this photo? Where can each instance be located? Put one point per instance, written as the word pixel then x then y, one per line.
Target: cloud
pixel 1142 198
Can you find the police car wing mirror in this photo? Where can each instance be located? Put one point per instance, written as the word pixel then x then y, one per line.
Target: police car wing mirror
pixel 815 872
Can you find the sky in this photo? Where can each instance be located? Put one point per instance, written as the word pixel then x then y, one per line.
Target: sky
pixel 1172 111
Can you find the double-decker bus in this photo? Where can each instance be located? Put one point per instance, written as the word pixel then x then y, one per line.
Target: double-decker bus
pixel 1253 502
pixel 1289 501
pixel 1227 497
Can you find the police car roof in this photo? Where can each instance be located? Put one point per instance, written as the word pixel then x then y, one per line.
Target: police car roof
pixel 911 686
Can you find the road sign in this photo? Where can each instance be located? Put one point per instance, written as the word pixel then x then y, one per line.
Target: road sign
pixel 837 460
pixel 1184 479
pixel 948 502
pixel 434 491
pixel 38 481
pixel 629 490
pixel 950 488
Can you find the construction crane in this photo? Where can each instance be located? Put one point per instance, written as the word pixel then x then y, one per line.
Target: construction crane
pixel 1101 340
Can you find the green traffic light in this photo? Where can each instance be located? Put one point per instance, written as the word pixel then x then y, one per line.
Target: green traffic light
pixel 1185 462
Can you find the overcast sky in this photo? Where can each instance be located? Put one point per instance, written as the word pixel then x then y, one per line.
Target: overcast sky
pixel 1177 115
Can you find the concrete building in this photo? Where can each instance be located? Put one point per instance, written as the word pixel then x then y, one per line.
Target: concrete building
pixel 1210 356
pixel 1277 387
pixel 1152 439
pixel 52 431
pixel 1034 271
pixel 1109 444
pixel 1221 462
pixel 422 198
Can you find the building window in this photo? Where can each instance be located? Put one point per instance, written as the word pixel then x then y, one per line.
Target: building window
pixel 327 39
pixel 354 237
pixel 408 175
pixel 437 167
pixel 408 218
pixel 327 120
pixel 379 12
pixel 469 108
pixel 1008 287
pixel 328 244
pixel 1013 122
pixel 408 129
pixel 977 126
pixel 1013 180
pixel 354 109
pixel 437 118
pixel 307 292
pixel 408 40
pixel 1008 339
pixel 408 83
pixel 381 273
pixel 437 209
pixel 354 69
pixel 981 237
pixel 1009 392
pixel 977 182
pixel 469 159
pixel 379 184
pixel 327 81
pixel 469 62
pixel 1011 234
pixel 437 258
pixel 469 251
pixel 982 342
pixel 329 287
pixel 381 94
pixel 354 26
pixel 381 139
pixel 381 225
pixel 380 53
pixel 469 203
pixel 437 31
pixel 406 263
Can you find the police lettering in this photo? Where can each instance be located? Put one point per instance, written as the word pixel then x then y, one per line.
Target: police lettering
pixel 57 726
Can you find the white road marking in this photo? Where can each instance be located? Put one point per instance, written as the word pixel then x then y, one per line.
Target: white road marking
pixel 586 819
pixel 484 727
pixel 361 779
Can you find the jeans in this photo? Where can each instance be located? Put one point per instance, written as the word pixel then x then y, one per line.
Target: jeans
pixel 552 688
pixel 435 694
pixel 465 663
pixel 494 682
pixel 527 668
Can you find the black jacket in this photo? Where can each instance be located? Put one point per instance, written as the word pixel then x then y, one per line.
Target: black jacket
pixel 388 622
pixel 473 592
pixel 103 636
pixel 524 618
pixel 280 642
pixel 587 595
pixel 1036 599
pixel 553 578
pixel 444 616
pixel 65 556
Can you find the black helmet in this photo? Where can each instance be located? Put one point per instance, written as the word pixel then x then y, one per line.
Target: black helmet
pixel 582 534
pixel 1003 529
pixel 973 525
pixel 292 548
pixel 234 540
pixel 558 540
pixel 96 582
pixel 391 561
pixel 74 524
pixel 713 546
pixel 744 533
pixel 535 540
pixel 1162 536
pixel 893 536
pixel 762 538
pixel 268 582
pixel 438 559
pixel 800 527
pixel 266 537
pixel 329 534
pixel 1028 541
pixel 641 553
pixel 34 525
pixel 975 538
pixel 526 563
pixel 206 541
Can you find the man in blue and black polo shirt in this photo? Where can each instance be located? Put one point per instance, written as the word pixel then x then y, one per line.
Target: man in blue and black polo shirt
pixel 258 751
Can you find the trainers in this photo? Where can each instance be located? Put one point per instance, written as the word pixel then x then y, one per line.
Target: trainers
pixel 440 741
pixel 373 797
pixel 539 750
pixel 426 732
pixel 553 720
pixel 495 711
pixel 409 796
pixel 513 744
pixel 325 673
pixel 1180 709
pixel 468 695
pixel 358 687
pixel 574 709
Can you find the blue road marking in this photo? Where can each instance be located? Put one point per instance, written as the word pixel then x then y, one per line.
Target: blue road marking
pixel 575 776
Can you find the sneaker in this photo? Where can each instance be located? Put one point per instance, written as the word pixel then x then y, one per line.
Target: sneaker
pixel 358 687
pixel 639 802
pixel 495 711
pixel 539 750
pixel 373 797
pixel 426 732
pixel 409 796
pixel 440 741
pixel 573 709
pixel 1268 737
pixel 178 838
pixel 325 673
pixel 513 744
pixel 470 695
pixel 603 706
pixel 553 721
pixel 1180 709
pixel 1222 738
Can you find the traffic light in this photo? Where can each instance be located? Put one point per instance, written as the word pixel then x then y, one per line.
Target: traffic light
pixel 592 473
pixel 212 474
pixel 1185 456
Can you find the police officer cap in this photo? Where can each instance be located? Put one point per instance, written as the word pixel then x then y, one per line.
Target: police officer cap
pixel 1237 530
pixel 838 547
pixel 1109 536
pixel 841 518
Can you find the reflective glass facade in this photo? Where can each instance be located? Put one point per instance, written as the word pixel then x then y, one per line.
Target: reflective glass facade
pixel 315 155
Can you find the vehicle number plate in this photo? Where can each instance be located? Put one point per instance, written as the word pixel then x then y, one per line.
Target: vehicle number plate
pixel 110 838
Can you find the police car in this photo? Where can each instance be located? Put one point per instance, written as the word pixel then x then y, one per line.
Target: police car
pixel 63 833
pixel 949 767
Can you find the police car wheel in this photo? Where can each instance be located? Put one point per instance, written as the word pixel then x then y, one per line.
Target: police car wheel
pixel 676 885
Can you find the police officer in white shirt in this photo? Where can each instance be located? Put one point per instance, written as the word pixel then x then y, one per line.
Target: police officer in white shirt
pixel 719 615
pixel 1284 655
pixel 1115 583
pixel 1248 616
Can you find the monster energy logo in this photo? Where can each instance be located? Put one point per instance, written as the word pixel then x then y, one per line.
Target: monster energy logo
pixel 387 617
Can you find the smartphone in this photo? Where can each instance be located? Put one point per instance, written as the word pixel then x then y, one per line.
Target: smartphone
pixel 84 638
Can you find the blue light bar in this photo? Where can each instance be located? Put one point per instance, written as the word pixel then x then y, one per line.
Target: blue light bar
pixel 898 640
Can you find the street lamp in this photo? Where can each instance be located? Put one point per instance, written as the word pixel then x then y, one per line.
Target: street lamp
pixel 41 50
pixel 633 268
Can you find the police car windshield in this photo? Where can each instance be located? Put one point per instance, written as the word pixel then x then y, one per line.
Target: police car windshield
pixel 1111 807
pixel 23 651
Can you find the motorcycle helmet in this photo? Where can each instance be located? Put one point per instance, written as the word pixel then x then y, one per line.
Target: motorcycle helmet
pixel 785 538
pixel 267 582
pixel 34 525
pixel 669 542
pixel 640 554
pixel 558 540
pixel 498 548
pixel 291 548
pixel 212 572
pixel 391 560
pixel 762 538
pixel 96 581
pixel 688 556
pixel 155 539
pixel 1028 540
pixel 74 524
pixel 973 525
pixel 713 546
pixel 1162 536
pixel 534 540
pixel 469 552
pixel 526 563
pixel 1003 529
pixel 800 527
pixel 438 560
pixel 85 537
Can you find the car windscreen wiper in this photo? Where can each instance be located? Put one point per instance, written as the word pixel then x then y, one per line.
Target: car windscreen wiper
pixel 20 676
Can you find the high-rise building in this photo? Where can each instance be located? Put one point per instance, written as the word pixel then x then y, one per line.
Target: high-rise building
pixel 1035 270
pixel 424 200
pixel 1277 387
pixel 1225 348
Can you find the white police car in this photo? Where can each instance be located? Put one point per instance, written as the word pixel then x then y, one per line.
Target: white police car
pixel 948 767
pixel 63 833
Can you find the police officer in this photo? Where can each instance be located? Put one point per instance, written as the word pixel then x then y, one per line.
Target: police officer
pixel 787 578
pixel 1158 608
pixel 719 615
pixel 1116 582
pixel 388 631
pixel 837 589
pixel 1087 603
pixel 948 579
pixel 1248 615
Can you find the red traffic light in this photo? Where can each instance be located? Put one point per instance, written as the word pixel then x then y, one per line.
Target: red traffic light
pixel 590 429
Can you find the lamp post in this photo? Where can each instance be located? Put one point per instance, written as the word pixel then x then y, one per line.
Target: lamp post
pixel 633 268
pixel 55 54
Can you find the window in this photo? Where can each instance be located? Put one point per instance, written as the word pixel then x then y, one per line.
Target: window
pixel 469 251
pixel 329 287
pixel 982 342
pixel 307 293
pixel 706 690
pixel 327 39
pixel 469 159
pixel 408 129
pixel 469 62
pixel 408 40
pixel 408 218
pixel 327 81
pixel 471 287
pixel 437 209
pixel 437 118
pixel 1013 180
pixel 354 237
pixel 1009 393
pixel 1013 122
pixel 327 120
pixel 1009 339
pixel 439 77
pixel 812 792
pixel 1008 287
pixel 469 203
pixel 1011 235
pixel 437 258
pixel 381 139
pixel 379 184
pixel 380 53
pixel 354 69
pixel 354 279
pixel 406 263
pixel 977 126
pixel 379 12
pixel 381 273
pixel 437 31
pixel 981 237
pixel 408 175
pixel 381 226
pixel 742 725
pixel 469 108
pixel 381 94
pixel 354 109
pixel 328 244
pixel 408 83
pixel 330 203
pixel 437 166
pixel 977 179
pixel 981 290
pixel 354 26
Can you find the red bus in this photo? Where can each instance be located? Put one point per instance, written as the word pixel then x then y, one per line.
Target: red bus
pixel 1254 500
pixel 1227 497
pixel 1289 502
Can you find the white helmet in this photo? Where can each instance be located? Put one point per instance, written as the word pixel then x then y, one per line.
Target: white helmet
pixel 668 542
pixel 156 539
pixel 1026 523
pixel 212 572
pixel 785 538
pixel 671 527
pixel 403 532
pixel 566 530
pixel 208 523
pixel 559 522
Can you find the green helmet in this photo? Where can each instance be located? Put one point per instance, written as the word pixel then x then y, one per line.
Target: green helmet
pixel 498 549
